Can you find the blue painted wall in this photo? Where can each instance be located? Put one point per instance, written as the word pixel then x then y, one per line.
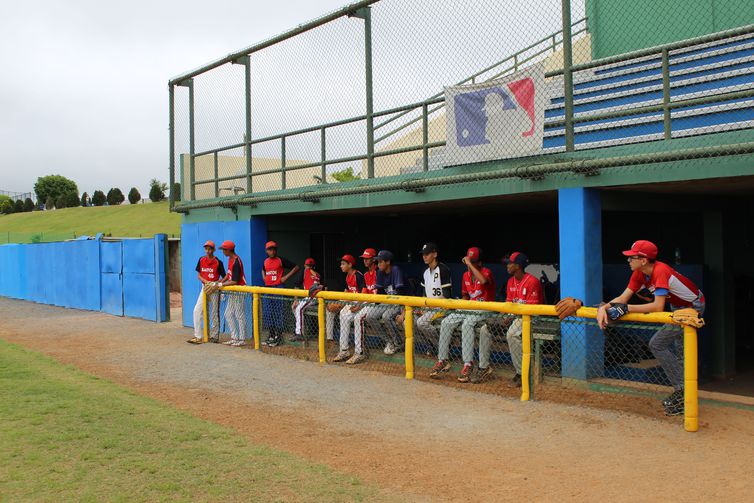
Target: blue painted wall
pixel 90 274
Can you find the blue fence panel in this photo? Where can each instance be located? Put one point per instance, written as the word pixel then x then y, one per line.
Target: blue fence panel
pixel 138 256
pixel 139 296
pixel 111 267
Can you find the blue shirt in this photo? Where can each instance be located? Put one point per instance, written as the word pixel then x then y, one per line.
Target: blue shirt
pixel 391 283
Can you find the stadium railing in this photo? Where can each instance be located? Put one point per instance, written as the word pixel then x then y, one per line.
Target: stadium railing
pixel 572 351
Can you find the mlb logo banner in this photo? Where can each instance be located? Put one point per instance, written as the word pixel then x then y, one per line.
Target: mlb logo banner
pixel 498 119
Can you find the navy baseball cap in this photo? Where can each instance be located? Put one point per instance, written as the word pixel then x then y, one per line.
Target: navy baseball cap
pixel 429 248
pixel 517 258
pixel 385 255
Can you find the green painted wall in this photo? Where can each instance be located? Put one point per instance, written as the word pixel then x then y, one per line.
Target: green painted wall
pixel 619 26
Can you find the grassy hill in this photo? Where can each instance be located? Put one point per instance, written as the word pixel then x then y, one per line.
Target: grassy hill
pixel 138 220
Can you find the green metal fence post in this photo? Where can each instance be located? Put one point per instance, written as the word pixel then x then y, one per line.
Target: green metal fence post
pixel 247 137
pixel 192 166
pixel 171 132
pixel 568 74
pixel 666 92
pixel 216 167
pixel 282 163
pixel 425 138
pixel 367 15
pixel 323 153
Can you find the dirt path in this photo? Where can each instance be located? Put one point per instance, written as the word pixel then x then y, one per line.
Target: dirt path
pixel 419 440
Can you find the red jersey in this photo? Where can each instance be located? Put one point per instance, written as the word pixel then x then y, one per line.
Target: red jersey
pixel 310 277
pixel 273 270
pixel 211 269
pixel 235 271
pixel 355 282
pixel 526 291
pixel 666 281
pixel 370 282
pixel 475 289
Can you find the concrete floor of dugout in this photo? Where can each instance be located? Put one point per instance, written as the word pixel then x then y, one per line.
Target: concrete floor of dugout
pixel 420 441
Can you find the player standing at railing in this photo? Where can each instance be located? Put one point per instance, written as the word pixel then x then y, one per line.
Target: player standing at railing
pixel 478 285
pixel 522 288
pixel 274 276
pixel 362 310
pixel 210 271
pixel 667 285
pixel 354 284
pixel 436 284
pixel 235 314
pixel 389 282
pixel 309 278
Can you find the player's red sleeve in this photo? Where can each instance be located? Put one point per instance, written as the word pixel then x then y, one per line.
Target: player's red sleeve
pixel 636 281
pixel 508 297
pixel 662 277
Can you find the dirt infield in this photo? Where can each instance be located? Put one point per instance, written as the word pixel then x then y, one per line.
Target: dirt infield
pixel 416 439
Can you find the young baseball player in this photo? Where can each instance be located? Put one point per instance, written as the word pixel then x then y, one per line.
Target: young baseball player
pixel 309 278
pixel 436 284
pixel 274 276
pixel 389 282
pixel 235 316
pixel 354 284
pixel 362 311
pixel 478 285
pixel 209 271
pixel 668 286
pixel 522 288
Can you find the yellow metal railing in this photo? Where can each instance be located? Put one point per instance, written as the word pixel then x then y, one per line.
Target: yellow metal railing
pixel 526 311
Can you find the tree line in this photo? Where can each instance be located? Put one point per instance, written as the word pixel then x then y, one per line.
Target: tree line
pixel 57 192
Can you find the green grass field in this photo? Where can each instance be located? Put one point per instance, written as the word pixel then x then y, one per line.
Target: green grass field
pixel 139 220
pixel 66 435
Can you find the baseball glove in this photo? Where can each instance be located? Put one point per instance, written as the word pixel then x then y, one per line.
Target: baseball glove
pixel 688 316
pixel 315 289
pixel 334 307
pixel 211 287
pixel 568 307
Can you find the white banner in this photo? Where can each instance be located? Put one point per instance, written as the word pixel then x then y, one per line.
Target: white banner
pixel 498 119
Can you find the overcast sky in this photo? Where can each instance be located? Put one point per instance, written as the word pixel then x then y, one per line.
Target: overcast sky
pixel 83 91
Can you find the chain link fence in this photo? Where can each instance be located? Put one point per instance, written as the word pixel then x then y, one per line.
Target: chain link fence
pixel 384 95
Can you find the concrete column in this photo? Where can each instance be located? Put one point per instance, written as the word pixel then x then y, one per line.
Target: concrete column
pixel 580 220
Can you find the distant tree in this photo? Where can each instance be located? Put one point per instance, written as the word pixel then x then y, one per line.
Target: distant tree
pixel 115 197
pixel 50 203
pixel 345 175
pixel 61 202
pixel 157 190
pixel 28 204
pixel 5 198
pixel 85 199
pixel 71 199
pixel 176 191
pixel 98 198
pixel 18 206
pixel 54 186
pixel 134 196
pixel 6 206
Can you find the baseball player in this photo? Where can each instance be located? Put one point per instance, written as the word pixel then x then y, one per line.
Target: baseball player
pixel 362 311
pixel 354 284
pixel 478 285
pixel 389 282
pixel 667 285
pixel 309 278
pixel 522 288
pixel 274 276
pixel 436 284
pixel 209 271
pixel 235 316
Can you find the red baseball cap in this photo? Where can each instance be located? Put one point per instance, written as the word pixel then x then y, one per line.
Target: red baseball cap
pixel 642 248
pixel 348 258
pixel 517 258
pixel 228 245
pixel 474 253
pixel 369 253
pixel 211 244
pixel 310 261
pixel 270 244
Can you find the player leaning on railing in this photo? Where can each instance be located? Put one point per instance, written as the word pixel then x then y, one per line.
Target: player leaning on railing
pixel 209 270
pixel 274 276
pixel 363 310
pixel 389 282
pixel 235 315
pixel 347 312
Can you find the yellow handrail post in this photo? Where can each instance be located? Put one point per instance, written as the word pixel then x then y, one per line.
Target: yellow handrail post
pixel 205 337
pixel 255 314
pixel 525 357
pixel 691 392
pixel 321 321
pixel 408 325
